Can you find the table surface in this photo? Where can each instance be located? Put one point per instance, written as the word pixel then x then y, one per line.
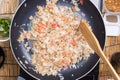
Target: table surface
pixel 10 69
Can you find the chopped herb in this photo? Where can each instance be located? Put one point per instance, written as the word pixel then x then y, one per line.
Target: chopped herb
pixel 4 26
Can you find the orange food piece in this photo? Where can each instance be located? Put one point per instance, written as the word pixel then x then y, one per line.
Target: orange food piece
pixel 73 42
pixel 81 1
pixel 54 24
pixel 41 25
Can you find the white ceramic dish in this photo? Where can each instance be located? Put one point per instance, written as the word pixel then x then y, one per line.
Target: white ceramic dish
pixel 112 24
pixel 112 21
pixel 3 39
pixel 107 10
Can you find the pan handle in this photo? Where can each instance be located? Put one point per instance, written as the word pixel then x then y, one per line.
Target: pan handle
pixel 20 78
pixel 2 57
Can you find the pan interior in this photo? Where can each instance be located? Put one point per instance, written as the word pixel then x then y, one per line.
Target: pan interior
pixel 21 21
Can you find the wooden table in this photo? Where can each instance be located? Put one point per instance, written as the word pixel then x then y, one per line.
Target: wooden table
pixel 10 69
pixel 112 46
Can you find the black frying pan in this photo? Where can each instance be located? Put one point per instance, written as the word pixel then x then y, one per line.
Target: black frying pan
pixel 21 21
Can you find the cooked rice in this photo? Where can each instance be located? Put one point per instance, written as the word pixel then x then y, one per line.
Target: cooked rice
pixel 58 43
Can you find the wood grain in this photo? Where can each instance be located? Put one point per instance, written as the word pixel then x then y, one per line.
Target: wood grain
pixel 10 69
pixel 8 6
pixel 112 46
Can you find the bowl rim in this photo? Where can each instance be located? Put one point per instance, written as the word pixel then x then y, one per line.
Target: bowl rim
pixel 3 40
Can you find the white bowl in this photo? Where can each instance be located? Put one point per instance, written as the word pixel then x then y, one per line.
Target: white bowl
pixel 107 10
pixel 3 39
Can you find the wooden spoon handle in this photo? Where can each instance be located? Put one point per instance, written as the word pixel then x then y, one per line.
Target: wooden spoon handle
pixel 109 66
pixel 94 44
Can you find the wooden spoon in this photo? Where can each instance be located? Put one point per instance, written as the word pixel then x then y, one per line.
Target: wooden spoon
pixel 94 44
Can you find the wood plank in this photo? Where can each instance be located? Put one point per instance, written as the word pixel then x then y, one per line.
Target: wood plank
pixel 113 40
pixel 8 6
pixel 107 41
pixel 112 46
pixel 9 56
pixel 118 40
pixel 7 78
pixel 9 70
